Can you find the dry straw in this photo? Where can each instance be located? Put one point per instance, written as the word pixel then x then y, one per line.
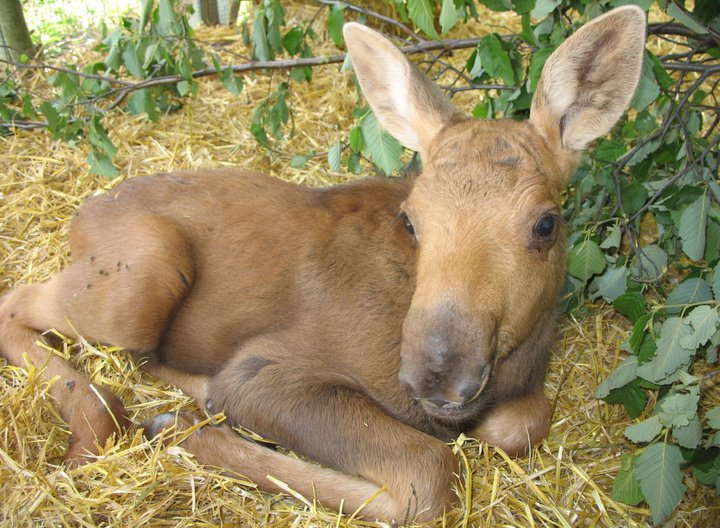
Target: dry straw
pixel 566 481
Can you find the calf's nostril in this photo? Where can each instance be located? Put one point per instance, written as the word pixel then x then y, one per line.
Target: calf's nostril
pixel 470 391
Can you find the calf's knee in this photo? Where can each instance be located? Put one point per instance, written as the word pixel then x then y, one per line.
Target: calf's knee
pixel 515 425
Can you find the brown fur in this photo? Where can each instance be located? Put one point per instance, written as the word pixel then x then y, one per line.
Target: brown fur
pixel 322 319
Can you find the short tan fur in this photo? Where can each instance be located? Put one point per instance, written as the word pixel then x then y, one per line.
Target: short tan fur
pixel 361 325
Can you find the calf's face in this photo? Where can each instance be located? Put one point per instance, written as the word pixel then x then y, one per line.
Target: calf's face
pixel 485 212
pixel 491 258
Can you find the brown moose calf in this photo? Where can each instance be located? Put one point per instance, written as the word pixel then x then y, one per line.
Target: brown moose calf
pixel 361 325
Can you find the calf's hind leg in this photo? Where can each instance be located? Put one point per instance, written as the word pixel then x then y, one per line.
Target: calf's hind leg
pixel 409 473
pixel 122 288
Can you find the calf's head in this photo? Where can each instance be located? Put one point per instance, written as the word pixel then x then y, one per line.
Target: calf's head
pixel 486 210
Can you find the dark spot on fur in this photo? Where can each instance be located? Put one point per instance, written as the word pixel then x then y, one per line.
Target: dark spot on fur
pixel 251 367
pixel 184 280
pixel 502 144
pixel 88 286
pixel 512 162
pixel 92 259
pixel 12 315
pixel 70 385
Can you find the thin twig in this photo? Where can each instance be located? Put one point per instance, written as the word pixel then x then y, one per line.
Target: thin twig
pixel 374 14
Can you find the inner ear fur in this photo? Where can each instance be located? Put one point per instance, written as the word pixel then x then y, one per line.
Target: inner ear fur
pixel 587 83
pixel 407 104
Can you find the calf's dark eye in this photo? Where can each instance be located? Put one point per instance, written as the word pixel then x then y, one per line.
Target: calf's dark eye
pixel 408 224
pixel 545 226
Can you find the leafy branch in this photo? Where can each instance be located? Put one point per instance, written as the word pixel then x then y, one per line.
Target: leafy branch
pixel 644 210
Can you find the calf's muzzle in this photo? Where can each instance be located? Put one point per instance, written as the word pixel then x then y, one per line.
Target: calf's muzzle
pixel 447 358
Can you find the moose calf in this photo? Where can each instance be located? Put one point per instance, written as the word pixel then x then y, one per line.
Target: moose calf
pixel 361 325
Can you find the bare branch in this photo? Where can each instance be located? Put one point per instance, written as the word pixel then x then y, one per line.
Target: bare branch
pixel 378 16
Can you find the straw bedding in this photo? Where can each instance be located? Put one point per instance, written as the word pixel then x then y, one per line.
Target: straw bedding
pixel 566 481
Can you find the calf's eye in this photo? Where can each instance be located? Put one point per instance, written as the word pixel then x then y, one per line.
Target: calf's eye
pixel 408 224
pixel 545 226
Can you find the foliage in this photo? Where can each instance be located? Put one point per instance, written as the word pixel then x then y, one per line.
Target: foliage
pixel 643 210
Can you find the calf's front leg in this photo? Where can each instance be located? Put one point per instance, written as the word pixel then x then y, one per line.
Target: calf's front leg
pixel 92 412
pixel 409 474
pixel 517 424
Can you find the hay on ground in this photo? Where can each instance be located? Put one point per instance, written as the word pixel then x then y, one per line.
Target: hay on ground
pixel 566 481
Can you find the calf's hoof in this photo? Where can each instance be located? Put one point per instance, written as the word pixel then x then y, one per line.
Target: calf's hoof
pixel 168 423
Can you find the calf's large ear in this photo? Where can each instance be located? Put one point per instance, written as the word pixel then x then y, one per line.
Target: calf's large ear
pixel 407 104
pixel 588 82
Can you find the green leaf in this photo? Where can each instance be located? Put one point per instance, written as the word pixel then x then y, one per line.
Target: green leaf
pixel 632 396
pixel 146 13
pixel 633 197
pixel 585 260
pixel 495 60
pixel 131 60
pixel 355 139
pixel 168 24
pixel 183 88
pixel 712 242
pixel 662 77
pixel 693 224
pixel 298 162
pixel 613 239
pixel 713 417
pixel 647 350
pixel 631 305
pixel 543 8
pixel 645 431
pixel 649 264
pixel 335 21
pixel 612 283
pixel 610 150
pixel 334 156
pixel 638 332
pixel 261 47
pixel 27 107
pixel 691 291
pixel 690 435
pixel 498 5
pixel 621 376
pixel 670 354
pixel 292 40
pixel 658 470
pixel 645 4
pixel 382 149
pixel 233 83
pixel 353 163
pixel 705 321
pixel 51 116
pixel 647 90
pixel 99 137
pixel 100 163
pixel 678 409
pixel 715 281
pixel 685 19
pixel 448 16
pixel 142 101
pixel 709 472
pixel 626 488
pixel 258 132
pixel 421 12
pixel 537 61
